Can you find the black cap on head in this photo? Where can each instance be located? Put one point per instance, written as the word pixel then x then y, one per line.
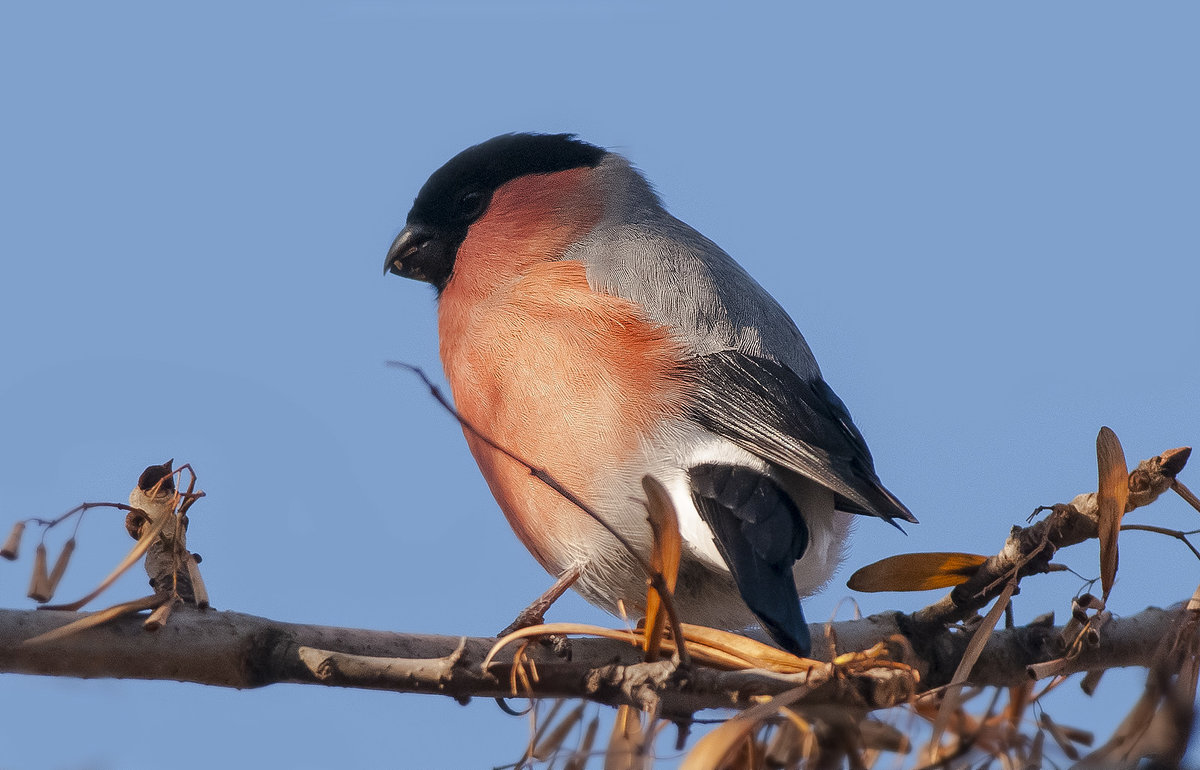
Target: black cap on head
pixel 479 170
pixel 459 192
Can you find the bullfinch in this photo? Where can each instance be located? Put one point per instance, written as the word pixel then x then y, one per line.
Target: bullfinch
pixel 601 339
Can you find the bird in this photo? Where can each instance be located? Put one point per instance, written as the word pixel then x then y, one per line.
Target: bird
pixel 585 329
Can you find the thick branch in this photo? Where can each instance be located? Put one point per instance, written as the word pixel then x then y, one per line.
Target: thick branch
pixel 230 649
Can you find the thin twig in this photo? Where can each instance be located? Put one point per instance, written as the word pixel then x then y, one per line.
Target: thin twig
pixel 1186 494
pixel 1180 536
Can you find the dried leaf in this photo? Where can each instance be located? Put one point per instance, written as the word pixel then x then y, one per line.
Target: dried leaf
pixel 745 756
pixel 1135 724
pixel 1035 753
pixel 1059 736
pixel 756 653
pixel 1018 701
pixel 1111 496
pixel 96 619
pixel 727 650
pixel 625 744
pixel 550 744
pixel 578 760
pixel 537 724
pixel 716 658
pixel 916 572
pixel 711 751
pixel 664 558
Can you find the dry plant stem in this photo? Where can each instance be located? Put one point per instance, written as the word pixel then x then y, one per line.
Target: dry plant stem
pixel 1029 550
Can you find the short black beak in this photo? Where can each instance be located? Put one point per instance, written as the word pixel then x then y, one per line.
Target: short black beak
pixel 407 243
pixel 419 253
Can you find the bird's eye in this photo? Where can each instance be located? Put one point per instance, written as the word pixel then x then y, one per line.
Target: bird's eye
pixel 470 204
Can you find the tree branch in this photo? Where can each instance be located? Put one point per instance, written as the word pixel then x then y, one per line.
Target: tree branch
pixel 230 649
pixel 897 656
pixel 1028 550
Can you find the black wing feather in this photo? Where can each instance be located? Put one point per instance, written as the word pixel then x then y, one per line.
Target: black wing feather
pixel 760 534
pixel 770 411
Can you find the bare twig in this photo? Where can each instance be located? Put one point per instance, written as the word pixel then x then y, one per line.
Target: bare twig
pixel 1028 550
pixel 1175 533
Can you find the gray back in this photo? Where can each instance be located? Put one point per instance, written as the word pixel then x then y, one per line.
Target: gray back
pixel 683 280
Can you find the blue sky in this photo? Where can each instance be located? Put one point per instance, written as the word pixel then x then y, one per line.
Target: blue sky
pixel 982 219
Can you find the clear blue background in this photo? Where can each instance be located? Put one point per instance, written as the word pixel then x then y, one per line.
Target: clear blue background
pixel 984 220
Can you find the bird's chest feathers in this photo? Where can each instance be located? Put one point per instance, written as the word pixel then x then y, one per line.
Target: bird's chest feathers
pixel 551 366
pixel 571 381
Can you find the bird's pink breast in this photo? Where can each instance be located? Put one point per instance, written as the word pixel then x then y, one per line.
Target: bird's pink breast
pixel 569 379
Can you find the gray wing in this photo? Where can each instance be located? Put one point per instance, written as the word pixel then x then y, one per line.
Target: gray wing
pixel 686 282
pixel 760 386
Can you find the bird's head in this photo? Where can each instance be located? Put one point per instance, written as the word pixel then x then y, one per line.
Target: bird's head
pixel 461 193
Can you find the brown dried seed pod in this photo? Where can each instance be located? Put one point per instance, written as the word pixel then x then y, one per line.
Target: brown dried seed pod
pixel 13 544
pixel 60 564
pixel 39 583
pixel 578 760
